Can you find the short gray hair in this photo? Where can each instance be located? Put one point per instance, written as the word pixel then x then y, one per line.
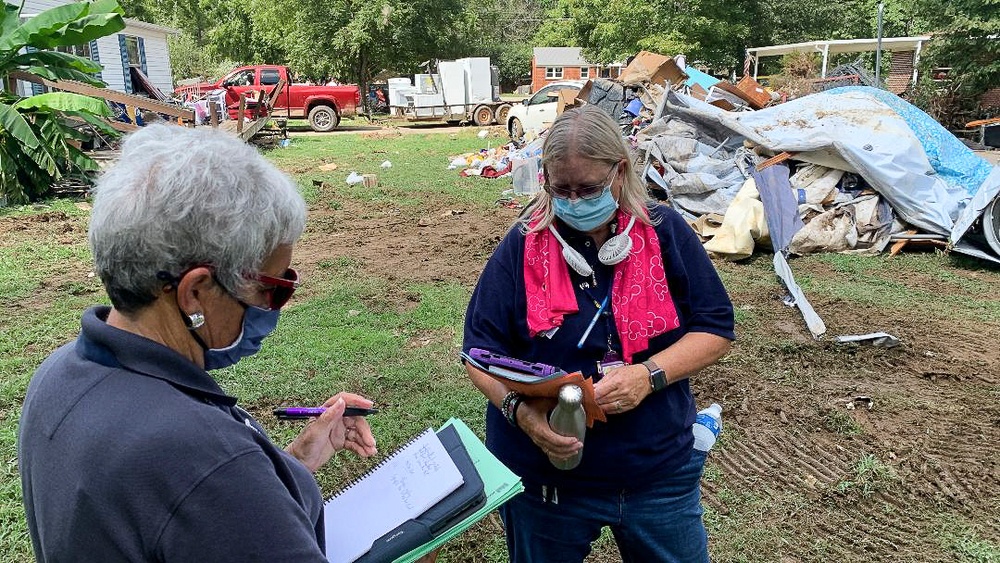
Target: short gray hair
pixel 587 131
pixel 180 197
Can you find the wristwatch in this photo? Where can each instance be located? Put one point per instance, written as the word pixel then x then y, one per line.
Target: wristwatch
pixel 657 377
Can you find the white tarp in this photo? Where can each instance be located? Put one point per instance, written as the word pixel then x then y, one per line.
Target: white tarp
pixel 856 132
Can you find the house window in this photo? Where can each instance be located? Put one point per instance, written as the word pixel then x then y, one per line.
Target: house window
pixel 132 48
pixel 78 50
pixel 553 72
pixel 584 72
pixel 605 72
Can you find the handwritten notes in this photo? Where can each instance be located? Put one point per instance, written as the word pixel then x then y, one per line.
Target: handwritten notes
pixel 402 487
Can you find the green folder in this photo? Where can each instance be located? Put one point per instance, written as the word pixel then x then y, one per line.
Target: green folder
pixel 499 482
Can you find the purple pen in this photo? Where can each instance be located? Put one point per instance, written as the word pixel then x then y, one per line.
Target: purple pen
pixel 294 413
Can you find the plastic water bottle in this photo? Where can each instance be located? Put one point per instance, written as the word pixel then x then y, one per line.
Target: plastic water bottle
pixel 707 426
pixel 569 419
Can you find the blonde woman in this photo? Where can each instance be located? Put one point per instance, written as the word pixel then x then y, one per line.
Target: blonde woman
pixel 596 273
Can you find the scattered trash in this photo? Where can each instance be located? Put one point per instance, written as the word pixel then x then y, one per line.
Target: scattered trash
pixel 386 164
pixel 483 134
pixel 509 203
pixel 285 143
pixel 452 213
pixel 328 167
pixel 860 402
pixel 369 180
pixel 877 339
pixel 353 313
pixel 355 178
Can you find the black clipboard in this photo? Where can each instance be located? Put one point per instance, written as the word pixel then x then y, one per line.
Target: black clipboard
pixel 452 509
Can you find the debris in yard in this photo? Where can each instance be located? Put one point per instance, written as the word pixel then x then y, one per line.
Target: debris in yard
pixel 452 213
pixel 877 339
pixel 355 178
pixel 328 167
pixel 386 164
pixel 860 402
pixel 369 180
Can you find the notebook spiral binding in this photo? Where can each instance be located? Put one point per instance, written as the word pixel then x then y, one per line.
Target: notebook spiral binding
pixel 376 467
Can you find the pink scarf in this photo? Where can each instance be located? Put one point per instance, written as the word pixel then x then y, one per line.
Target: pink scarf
pixel 640 298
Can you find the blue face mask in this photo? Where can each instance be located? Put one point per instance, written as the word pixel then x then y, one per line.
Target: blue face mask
pixel 586 214
pixel 257 324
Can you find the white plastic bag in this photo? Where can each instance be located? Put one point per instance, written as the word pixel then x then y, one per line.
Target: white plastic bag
pixel 355 178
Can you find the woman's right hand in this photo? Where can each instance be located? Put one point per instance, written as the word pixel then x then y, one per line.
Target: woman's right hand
pixel 532 418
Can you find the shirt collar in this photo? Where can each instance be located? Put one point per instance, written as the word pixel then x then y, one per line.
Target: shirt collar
pixel 107 345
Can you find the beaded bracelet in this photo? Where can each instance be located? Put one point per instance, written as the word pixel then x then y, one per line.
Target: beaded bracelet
pixel 511 401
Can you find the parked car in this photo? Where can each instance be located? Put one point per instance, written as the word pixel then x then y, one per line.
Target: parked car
pixel 323 106
pixel 539 110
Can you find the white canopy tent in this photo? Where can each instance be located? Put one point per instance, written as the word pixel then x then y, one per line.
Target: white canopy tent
pixel 841 46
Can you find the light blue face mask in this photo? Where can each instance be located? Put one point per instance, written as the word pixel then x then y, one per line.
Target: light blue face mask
pixel 257 325
pixel 586 215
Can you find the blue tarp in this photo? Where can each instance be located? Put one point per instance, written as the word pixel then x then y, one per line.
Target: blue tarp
pixel 698 77
pixel 953 162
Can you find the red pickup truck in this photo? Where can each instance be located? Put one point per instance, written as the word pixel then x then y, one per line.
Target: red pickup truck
pixel 323 106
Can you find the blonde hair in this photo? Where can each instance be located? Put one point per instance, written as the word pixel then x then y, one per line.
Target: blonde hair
pixel 588 132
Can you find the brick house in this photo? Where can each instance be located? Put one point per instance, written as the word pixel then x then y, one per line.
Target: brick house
pixel 552 64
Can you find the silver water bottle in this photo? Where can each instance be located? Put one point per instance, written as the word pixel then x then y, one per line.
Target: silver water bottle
pixel 569 419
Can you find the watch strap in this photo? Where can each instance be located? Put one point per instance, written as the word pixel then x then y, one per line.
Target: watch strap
pixel 657 377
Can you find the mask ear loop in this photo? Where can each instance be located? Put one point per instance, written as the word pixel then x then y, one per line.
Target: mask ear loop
pixel 618 247
pixel 572 257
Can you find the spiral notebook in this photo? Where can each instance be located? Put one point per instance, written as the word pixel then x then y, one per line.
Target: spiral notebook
pixel 402 487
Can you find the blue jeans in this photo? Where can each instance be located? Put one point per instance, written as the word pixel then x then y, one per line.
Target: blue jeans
pixel 660 522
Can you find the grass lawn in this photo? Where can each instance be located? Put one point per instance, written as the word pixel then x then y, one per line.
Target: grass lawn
pixel 797 475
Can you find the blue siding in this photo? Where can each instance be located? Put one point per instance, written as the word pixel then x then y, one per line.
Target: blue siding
pixel 142 56
pixel 35 88
pixel 125 64
pixel 96 57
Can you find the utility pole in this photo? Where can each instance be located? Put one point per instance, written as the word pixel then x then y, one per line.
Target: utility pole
pixel 878 47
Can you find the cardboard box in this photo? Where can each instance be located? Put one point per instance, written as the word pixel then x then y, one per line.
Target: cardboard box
pixel 654 68
pixel 567 100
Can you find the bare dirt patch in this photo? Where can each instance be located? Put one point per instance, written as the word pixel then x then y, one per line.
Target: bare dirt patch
pixel 853 452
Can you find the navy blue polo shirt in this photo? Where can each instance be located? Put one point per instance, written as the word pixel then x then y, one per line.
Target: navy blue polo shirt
pixel 130 452
pixel 649 441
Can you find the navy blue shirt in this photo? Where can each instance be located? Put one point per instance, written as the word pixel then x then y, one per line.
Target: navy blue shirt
pixel 639 445
pixel 128 451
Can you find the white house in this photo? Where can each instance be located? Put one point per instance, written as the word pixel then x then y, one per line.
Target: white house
pixel 140 45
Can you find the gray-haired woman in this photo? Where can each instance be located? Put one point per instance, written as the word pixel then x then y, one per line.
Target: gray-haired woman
pixel 598 274
pixel 128 449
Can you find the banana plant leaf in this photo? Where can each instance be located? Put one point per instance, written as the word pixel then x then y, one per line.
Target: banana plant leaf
pixel 65 102
pixel 18 128
pixel 55 58
pixel 9 18
pixel 71 24
pixel 57 73
pixel 96 122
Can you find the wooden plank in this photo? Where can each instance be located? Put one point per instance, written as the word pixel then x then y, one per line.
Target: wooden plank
pixel 213 112
pixel 776 159
pixel 239 116
pixel 898 247
pixel 982 122
pixel 108 94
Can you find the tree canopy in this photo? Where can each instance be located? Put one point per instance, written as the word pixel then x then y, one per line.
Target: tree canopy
pixel 357 40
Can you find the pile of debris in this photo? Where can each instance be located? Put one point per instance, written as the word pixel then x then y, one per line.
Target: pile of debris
pixel 850 169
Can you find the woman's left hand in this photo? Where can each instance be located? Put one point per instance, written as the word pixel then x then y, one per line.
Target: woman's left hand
pixel 332 431
pixel 622 389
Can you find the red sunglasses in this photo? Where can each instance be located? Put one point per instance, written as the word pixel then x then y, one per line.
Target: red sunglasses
pixel 281 289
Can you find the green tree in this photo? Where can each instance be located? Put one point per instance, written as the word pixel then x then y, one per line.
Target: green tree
pixel 967 39
pixel 36 146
